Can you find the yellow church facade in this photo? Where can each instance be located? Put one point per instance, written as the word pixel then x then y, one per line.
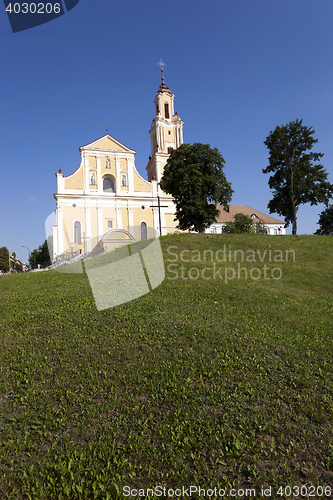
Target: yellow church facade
pixel 106 202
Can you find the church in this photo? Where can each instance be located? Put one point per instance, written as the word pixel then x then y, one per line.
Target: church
pixel 106 203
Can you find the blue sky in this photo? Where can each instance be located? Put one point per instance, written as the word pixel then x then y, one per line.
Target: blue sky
pixel 238 69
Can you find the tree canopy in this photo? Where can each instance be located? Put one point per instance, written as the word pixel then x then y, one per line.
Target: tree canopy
pixel 244 224
pixel 326 221
pixel 4 259
pixel 296 178
pixel 194 176
pixel 40 256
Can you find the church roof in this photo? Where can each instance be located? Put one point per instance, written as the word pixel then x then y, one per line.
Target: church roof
pixel 228 214
pixel 107 142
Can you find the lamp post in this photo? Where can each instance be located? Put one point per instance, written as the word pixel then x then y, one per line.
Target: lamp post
pixel 159 206
pixel 8 248
pixel 28 255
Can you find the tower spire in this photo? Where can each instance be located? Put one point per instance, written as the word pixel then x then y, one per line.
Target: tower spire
pixel 163 82
pixel 162 87
pixel 166 131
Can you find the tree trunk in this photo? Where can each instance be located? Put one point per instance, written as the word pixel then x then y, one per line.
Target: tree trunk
pixel 294 226
pixel 294 222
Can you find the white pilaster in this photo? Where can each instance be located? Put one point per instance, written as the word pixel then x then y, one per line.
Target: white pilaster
pixel 153 185
pixel 60 183
pixel 156 222
pixel 117 176
pixel 157 135
pixel 151 144
pixel 119 223
pixel 85 162
pixel 130 221
pixel 88 229
pixel 163 221
pixel 161 139
pixel 99 180
pixel 99 223
pixel 55 241
pixel 60 224
pixel 130 166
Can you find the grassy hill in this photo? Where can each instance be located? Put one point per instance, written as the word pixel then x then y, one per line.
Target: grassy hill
pixel 210 380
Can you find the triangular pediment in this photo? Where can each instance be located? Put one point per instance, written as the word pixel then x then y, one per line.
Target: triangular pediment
pixel 107 143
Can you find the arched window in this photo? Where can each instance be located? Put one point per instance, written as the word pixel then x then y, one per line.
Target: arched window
pixel 166 110
pixel 93 178
pixel 143 231
pixel 123 180
pixel 77 231
pixel 108 185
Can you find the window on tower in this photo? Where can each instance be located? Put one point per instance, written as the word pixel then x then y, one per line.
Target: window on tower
pixel 166 110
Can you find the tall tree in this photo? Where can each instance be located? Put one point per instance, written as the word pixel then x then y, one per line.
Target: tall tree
pixel 296 178
pixel 326 221
pixel 194 177
pixel 4 259
pixel 40 256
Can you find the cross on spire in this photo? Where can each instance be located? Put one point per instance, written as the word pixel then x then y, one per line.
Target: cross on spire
pixel 161 64
pixel 163 87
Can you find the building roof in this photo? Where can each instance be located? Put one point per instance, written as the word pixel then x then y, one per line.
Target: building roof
pixel 228 215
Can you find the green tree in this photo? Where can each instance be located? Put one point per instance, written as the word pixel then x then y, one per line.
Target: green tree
pixel 194 177
pixel 243 224
pixel 40 256
pixel 260 228
pixel 296 179
pixel 4 259
pixel 17 267
pixel 326 221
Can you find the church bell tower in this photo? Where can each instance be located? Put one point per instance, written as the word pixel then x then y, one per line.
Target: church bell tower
pixel 166 131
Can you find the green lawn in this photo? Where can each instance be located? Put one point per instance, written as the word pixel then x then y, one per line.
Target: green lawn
pixel 205 382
